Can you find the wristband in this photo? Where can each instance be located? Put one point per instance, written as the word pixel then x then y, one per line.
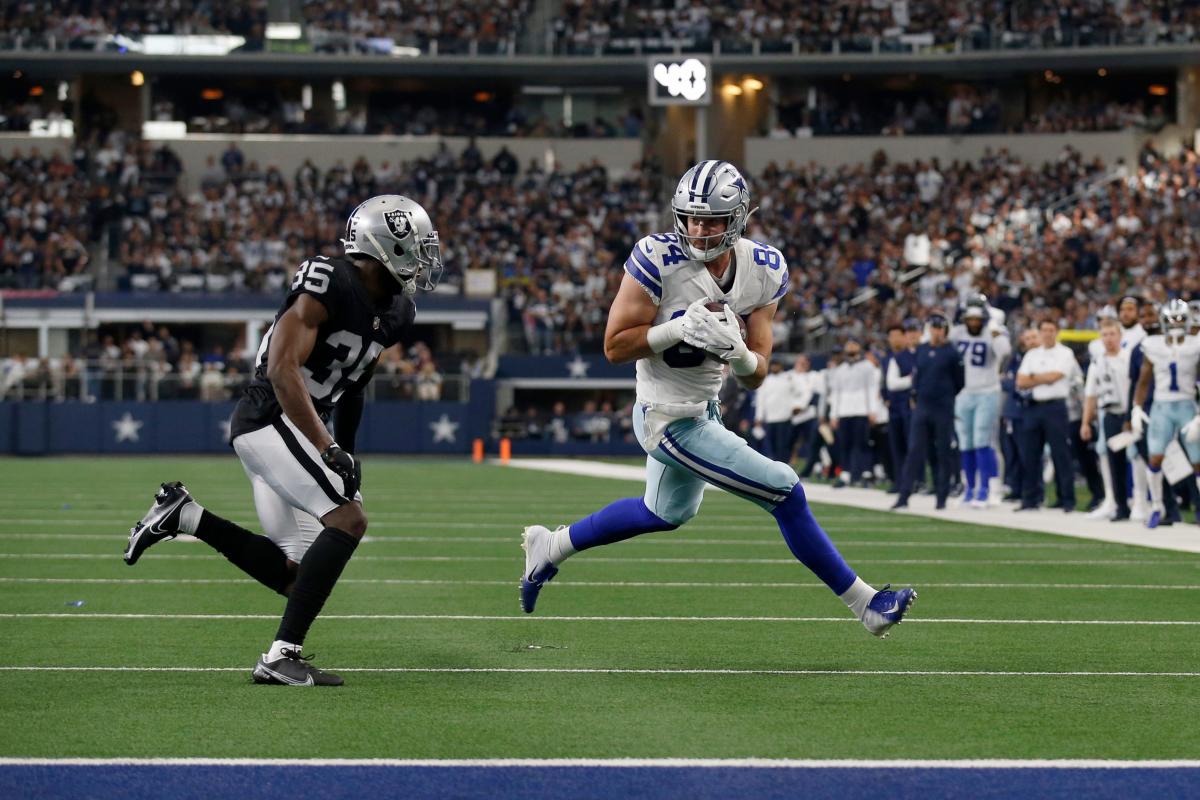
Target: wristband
pixel 666 335
pixel 744 363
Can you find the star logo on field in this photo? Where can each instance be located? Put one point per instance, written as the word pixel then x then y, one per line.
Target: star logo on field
pixel 126 428
pixel 223 426
pixel 578 368
pixel 444 429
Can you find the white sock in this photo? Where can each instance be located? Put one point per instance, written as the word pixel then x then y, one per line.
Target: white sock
pixel 560 545
pixel 1155 479
pixel 1106 476
pixel 277 648
pixel 858 596
pixel 189 517
pixel 1139 483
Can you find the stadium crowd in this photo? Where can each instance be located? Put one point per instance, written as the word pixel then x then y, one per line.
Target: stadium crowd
pixel 378 25
pixel 152 363
pixel 965 110
pixel 866 244
pixel 86 24
pixel 588 25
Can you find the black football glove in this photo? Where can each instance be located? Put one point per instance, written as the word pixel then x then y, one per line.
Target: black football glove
pixel 346 466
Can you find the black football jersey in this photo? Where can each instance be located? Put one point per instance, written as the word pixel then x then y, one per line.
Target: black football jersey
pixel 347 347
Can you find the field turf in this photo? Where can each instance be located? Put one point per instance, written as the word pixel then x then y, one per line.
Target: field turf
pixel 709 642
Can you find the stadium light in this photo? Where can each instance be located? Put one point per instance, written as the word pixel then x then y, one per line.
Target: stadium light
pixel 63 91
pixel 1158 90
pixel 731 90
pixel 1102 72
pixel 306 97
pixel 339 96
pixel 136 78
pixel 752 84
pixel 283 30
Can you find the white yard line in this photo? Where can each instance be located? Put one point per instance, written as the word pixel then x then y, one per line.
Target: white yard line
pixel 1182 538
pixel 662 539
pixel 635 559
pixel 647 671
pixel 609 584
pixel 616 763
pixel 595 618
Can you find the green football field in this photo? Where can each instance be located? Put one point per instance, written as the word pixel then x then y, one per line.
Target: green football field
pixel 709 642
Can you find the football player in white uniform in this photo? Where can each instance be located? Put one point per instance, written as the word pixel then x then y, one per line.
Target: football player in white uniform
pixel 984 346
pixel 1170 362
pixel 664 318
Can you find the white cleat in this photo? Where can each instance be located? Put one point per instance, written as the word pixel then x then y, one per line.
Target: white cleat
pixel 1139 514
pixel 539 569
pixel 1103 511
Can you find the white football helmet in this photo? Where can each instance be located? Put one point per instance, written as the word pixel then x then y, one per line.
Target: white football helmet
pixel 711 189
pixel 397 232
pixel 1174 318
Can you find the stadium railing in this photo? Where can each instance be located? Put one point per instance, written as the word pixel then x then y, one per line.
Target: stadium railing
pixel 94 381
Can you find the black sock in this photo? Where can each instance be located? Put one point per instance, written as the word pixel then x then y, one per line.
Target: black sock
pixel 320 569
pixel 257 556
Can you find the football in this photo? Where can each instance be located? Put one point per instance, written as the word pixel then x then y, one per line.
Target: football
pixel 717 307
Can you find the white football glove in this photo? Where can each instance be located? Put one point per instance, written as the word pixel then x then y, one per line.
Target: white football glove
pixel 723 338
pixel 680 329
pixel 1191 431
pixel 694 323
pixel 1138 420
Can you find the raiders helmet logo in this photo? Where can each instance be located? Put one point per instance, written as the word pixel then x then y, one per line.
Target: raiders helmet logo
pixel 398 223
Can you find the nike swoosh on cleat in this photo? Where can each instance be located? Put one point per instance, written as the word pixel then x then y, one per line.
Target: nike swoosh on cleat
pixel 895 607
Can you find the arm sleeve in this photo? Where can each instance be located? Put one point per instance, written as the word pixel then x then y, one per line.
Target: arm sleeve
pixel 1091 384
pixel 1002 347
pixel 831 400
pixel 642 268
pixel 895 381
pixel 874 399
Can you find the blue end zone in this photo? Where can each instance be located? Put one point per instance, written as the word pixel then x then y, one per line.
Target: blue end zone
pixel 837 783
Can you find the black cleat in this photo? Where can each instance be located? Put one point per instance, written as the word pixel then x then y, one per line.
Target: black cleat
pixel 292 669
pixel 161 521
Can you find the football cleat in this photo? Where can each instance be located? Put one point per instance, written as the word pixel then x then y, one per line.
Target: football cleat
pixel 292 669
pixel 887 608
pixel 1154 520
pixel 539 569
pixel 161 521
pixel 966 499
pixel 1103 511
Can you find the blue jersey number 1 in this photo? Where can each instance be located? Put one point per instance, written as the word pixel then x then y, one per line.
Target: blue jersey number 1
pixel 1174 376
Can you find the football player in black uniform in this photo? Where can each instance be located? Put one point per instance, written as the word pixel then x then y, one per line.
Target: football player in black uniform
pixel 317 356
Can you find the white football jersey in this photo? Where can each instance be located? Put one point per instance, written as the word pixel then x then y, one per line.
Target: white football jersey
pixel 982 357
pixel 1174 366
pixel 1132 336
pixel 682 375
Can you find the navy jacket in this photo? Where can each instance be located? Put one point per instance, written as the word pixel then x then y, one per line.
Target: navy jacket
pixel 937 376
pixel 1015 400
pixel 898 402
